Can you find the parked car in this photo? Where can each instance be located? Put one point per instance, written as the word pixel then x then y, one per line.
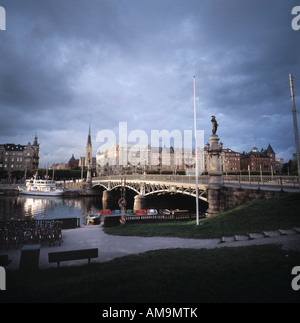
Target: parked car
pixel 105 212
pixel 152 212
pixel 140 212
pixel 116 212
pixel 130 212
pixel 165 212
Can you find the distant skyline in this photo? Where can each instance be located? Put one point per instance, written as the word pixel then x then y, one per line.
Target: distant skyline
pixel 68 64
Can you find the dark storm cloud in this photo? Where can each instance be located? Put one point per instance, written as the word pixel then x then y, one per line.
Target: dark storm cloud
pixel 67 63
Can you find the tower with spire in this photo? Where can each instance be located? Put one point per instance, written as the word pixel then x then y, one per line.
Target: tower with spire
pixel 35 155
pixel 88 150
pixel 89 159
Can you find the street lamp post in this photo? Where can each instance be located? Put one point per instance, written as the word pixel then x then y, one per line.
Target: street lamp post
pixel 295 127
pixel 196 155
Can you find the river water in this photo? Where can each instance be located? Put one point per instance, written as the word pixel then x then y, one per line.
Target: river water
pixel 36 207
pixel 32 207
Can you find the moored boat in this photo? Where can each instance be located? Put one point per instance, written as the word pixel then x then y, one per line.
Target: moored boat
pixel 44 187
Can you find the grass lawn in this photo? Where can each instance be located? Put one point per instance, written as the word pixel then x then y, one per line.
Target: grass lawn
pixel 240 274
pixel 255 216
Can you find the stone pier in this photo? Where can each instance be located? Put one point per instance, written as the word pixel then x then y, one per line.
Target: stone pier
pixel 89 178
pixel 214 148
pixel 139 202
pixel 107 199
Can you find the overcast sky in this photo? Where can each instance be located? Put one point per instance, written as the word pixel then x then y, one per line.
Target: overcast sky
pixel 65 64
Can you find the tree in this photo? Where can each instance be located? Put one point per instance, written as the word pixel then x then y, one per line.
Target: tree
pixel 290 168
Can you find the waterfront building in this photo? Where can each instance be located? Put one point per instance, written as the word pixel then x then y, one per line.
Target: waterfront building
pixel 144 158
pixel 73 162
pixel 230 160
pixel 20 157
pixel 60 166
pixel 255 160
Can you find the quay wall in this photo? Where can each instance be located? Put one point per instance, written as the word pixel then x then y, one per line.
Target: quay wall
pixel 9 189
pixel 232 197
pixel 9 192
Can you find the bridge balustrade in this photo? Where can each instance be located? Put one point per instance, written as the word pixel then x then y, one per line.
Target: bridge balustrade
pixel 159 178
pixel 203 179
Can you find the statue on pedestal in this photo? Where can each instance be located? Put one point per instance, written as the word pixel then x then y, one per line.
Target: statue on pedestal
pixel 214 125
pixel 214 149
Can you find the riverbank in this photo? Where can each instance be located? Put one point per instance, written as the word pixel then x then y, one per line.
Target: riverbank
pixel 259 216
pixel 135 269
pixel 111 247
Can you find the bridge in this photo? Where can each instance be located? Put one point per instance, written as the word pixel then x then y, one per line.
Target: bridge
pixel 185 184
pixel 235 189
pixel 154 184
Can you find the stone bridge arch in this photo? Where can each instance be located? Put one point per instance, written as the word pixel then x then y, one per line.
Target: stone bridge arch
pixel 101 185
pixel 144 189
pixel 147 189
pixel 191 193
pixel 127 186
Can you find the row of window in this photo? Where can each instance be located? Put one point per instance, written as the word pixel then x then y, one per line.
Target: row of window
pixel 13 159
pixel 15 154
pixel 12 165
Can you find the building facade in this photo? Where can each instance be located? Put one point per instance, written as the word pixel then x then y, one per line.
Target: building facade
pixel 73 163
pixel 144 158
pixel 20 157
pixel 141 159
pixel 230 160
pixel 264 160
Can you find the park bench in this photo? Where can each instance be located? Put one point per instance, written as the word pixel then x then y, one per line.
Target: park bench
pixel 72 255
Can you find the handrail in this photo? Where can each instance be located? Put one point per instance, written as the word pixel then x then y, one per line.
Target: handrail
pixel 252 180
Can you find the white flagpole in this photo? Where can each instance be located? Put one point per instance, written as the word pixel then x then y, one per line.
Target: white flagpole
pixel 196 154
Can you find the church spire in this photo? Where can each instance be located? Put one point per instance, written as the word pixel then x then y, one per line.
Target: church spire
pixel 89 141
pixel 88 150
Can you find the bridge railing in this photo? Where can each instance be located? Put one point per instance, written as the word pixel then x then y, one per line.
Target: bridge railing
pixel 203 179
pixel 275 180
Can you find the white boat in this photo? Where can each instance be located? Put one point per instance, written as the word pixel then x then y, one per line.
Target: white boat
pixel 43 187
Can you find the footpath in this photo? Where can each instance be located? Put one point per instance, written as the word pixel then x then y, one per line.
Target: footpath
pixel 110 247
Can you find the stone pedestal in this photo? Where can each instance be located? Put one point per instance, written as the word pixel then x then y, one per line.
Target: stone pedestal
pixel 215 175
pixel 214 201
pixel 139 202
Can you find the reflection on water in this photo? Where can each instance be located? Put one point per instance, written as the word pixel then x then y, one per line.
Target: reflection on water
pixel 26 207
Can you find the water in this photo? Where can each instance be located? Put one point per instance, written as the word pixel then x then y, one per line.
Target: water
pixel 36 207
pixel 46 208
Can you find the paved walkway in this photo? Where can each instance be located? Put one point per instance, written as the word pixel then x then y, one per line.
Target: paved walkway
pixel 111 247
